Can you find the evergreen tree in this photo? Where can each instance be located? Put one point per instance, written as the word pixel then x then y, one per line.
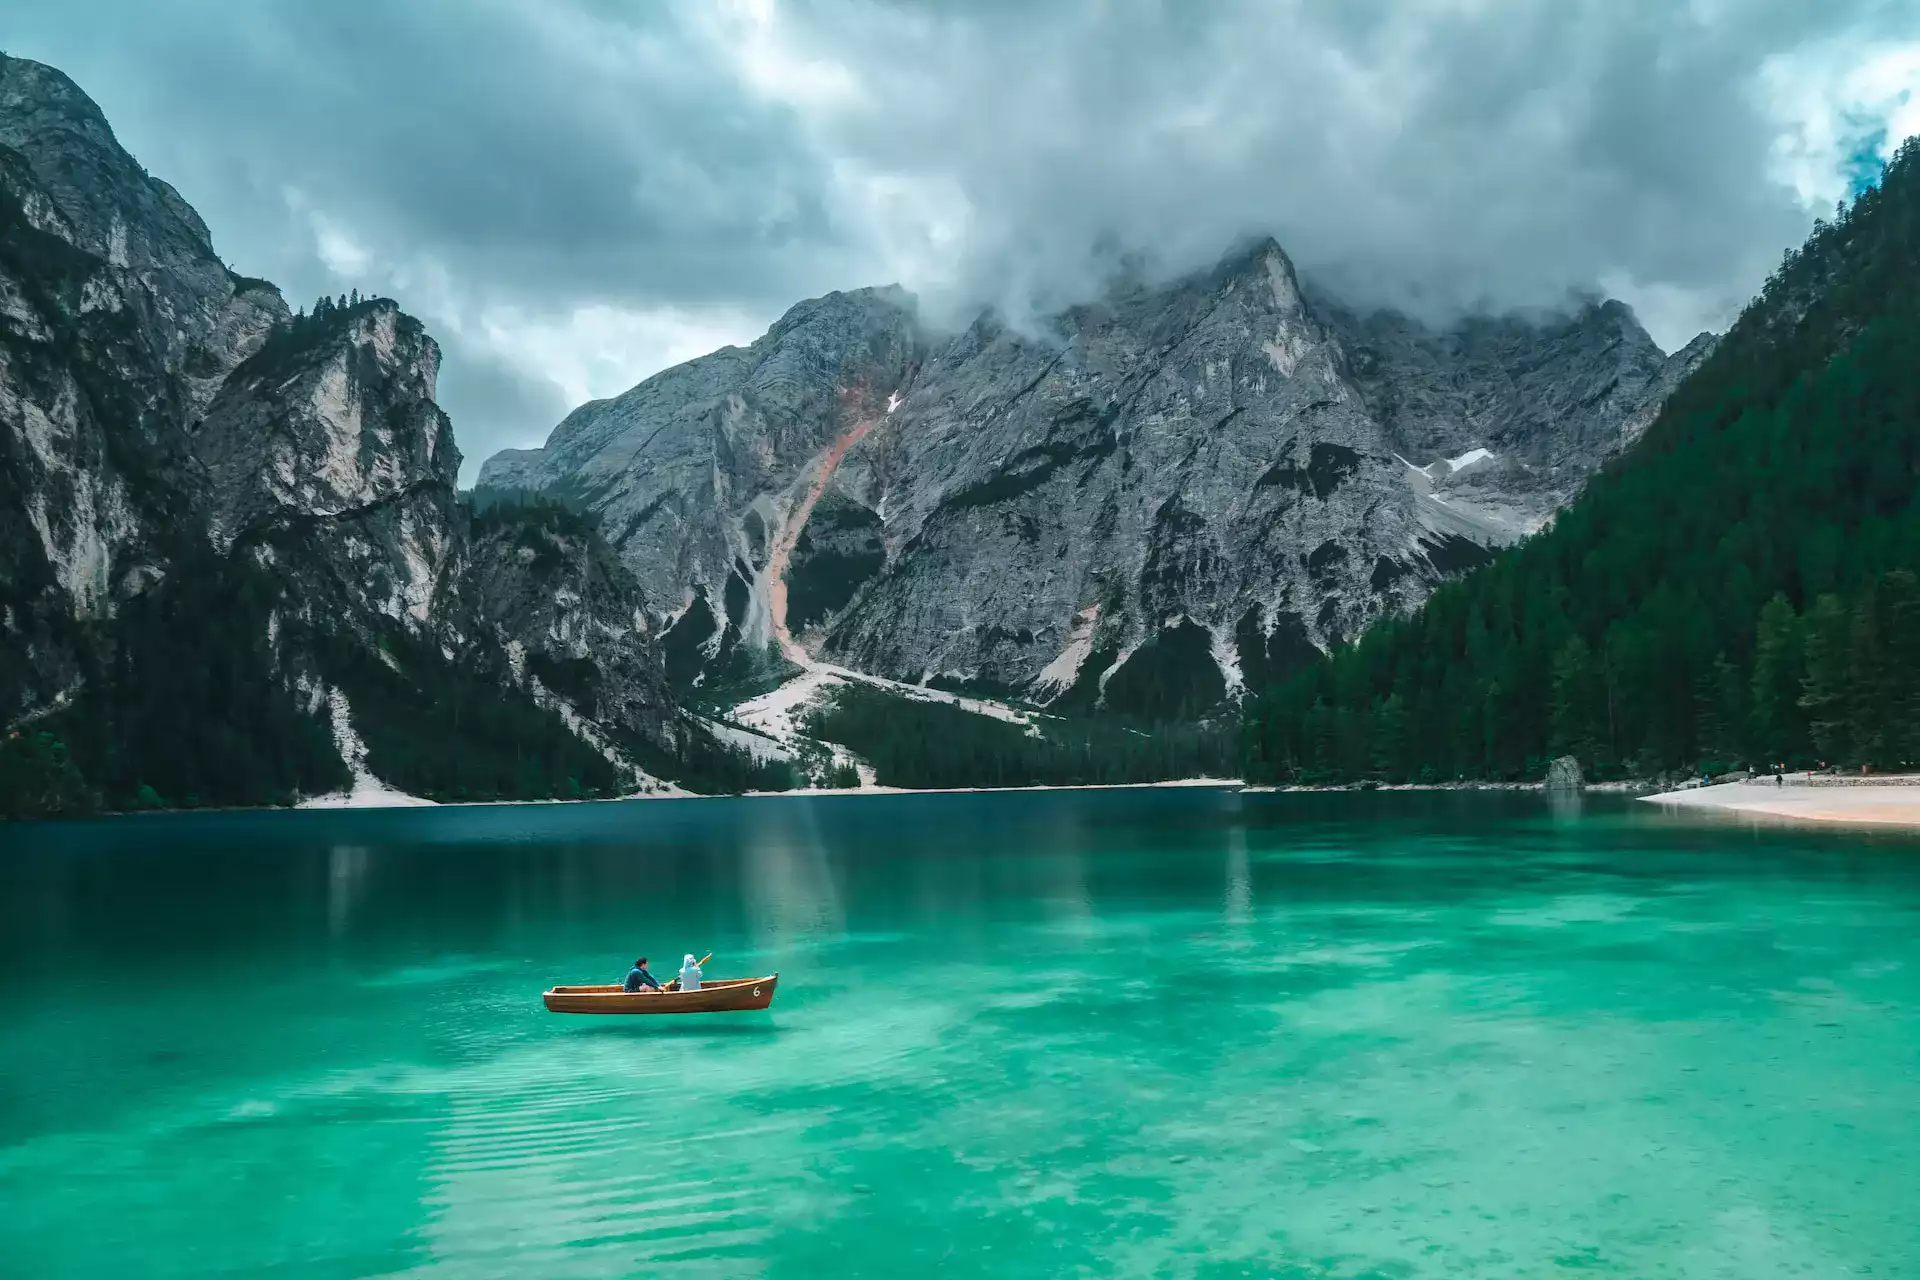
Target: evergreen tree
pixel 1900 621
pixel 1389 734
pixel 1826 684
pixel 1320 756
pixel 1779 663
pixel 1721 711
pixel 911 743
pixel 1578 702
pixel 1867 682
pixel 38 778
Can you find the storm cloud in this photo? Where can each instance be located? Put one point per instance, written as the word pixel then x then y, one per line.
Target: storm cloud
pixel 575 193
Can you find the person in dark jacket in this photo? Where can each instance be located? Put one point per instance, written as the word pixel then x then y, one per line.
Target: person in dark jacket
pixel 638 978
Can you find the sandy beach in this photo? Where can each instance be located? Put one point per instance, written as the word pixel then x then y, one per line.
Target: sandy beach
pixel 1889 802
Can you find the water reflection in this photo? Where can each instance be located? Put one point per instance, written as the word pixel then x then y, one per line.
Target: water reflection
pixel 787 876
pixel 1057 863
pixel 1239 878
pixel 346 884
pixel 1566 804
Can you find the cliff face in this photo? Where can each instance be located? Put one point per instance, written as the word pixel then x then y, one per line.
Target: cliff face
pixel 1156 501
pixel 170 435
pixel 147 251
pixel 697 474
pixel 573 620
pixel 329 434
pixel 116 320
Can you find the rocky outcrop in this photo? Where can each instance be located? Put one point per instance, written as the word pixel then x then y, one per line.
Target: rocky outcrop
pixel 326 459
pixel 168 429
pixel 1147 505
pixel 117 320
pixel 1564 775
pixel 1680 364
pixel 334 415
pixel 150 253
pixel 694 473
pixel 543 583
pixel 1504 418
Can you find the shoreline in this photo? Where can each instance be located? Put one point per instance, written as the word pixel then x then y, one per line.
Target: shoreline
pixel 383 797
pixel 1890 802
pixel 1602 788
pixel 366 799
pixel 1882 801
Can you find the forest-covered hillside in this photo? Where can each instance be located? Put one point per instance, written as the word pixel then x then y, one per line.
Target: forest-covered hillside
pixel 1738 587
pixel 925 744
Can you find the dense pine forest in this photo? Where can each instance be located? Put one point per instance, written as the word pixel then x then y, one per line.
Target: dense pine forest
pixel 911 743
pixel 180 705
pixel 457 731
pixel 1739 588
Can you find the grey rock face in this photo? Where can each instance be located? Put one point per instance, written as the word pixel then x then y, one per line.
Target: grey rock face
pixel 1564 775
pixel 1549 399
pixel 330 430
pixel 152 403
pixel 335 415
pixel 695 472
pixel 841 546
pixel 1195 485
pixel 1672 374
pixel 88 393
pixel 1177 456
pixel 117 325
pixel 513 470
pixel 1545 393
pixel 152 251
pixel 326 458
pixel 543 584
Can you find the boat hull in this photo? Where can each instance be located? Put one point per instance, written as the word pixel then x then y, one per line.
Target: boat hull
pixel 725 995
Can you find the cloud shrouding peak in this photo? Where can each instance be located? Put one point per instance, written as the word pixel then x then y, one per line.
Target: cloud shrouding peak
pixel 574 193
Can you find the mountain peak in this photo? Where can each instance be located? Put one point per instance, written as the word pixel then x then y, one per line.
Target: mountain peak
pixel 849 306
pixel 116 211
pixel 35 96
pixel 1254 255
pixel 1261 263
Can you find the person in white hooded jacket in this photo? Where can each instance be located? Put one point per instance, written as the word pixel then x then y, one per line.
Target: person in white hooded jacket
pixel 689 974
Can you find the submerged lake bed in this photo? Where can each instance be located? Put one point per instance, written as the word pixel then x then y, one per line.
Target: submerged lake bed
pixel 1180 1032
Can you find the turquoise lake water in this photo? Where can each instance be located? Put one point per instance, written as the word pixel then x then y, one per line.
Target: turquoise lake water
pixel 1137 1033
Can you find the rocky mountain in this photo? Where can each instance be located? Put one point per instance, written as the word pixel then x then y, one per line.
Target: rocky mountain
pixel 234 566
pixel 1738 591
pixel 1149 505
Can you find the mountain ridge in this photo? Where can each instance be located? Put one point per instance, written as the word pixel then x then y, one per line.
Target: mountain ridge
pixel 1739 588
pixel 992 453
pixel 234 564
pixel 235 567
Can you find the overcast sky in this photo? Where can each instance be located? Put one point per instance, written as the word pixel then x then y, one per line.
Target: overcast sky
pixel 576 193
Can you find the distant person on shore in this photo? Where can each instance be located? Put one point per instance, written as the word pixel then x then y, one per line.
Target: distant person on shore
pixel 689 974
pixel 638 978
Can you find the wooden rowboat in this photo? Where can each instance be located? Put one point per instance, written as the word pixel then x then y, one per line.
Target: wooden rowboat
pixel 724 995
